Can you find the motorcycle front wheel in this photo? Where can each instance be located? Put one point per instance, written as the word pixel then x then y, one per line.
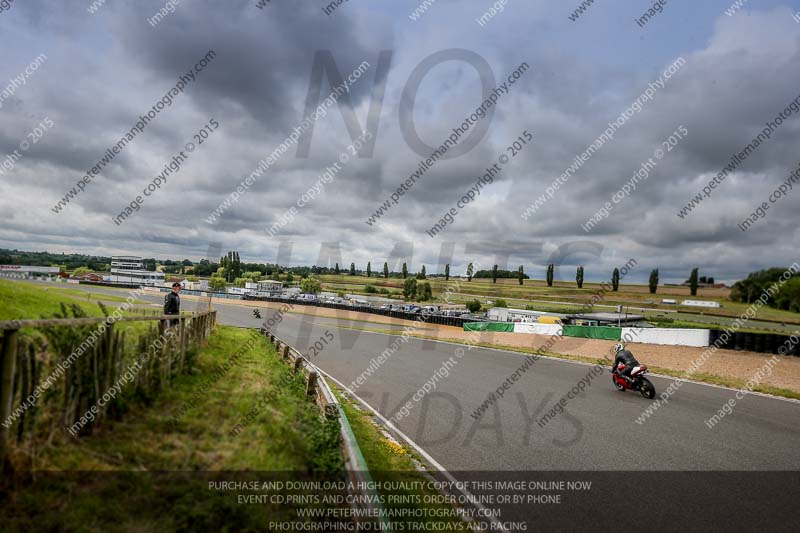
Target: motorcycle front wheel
pixel 617 384
pixel 647 389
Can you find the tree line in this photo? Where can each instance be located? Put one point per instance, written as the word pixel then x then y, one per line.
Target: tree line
pixel 232 270
pixel 755 285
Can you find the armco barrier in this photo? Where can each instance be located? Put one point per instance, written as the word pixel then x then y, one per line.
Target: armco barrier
pixel 355 465
pixel 594 332
pixel 454 321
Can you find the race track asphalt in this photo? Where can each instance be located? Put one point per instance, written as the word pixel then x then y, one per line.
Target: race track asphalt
pixel 596 431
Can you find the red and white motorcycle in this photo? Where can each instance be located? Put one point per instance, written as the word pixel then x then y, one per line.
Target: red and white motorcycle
pixel 637 381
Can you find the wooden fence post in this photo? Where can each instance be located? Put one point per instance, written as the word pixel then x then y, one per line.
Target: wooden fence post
pixel 183 344
pixel 9 354
pixel 311 385
pixel 162 328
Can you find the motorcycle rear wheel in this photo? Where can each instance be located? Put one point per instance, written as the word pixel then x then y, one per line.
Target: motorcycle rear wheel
pixel 647 389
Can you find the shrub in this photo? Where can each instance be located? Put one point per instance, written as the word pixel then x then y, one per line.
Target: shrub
pixel 424 292
pixel 410 288
pixel 474 306
pixel 311 285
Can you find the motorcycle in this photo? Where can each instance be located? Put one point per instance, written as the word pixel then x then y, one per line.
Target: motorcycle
pixel 637 381
pixel 257 314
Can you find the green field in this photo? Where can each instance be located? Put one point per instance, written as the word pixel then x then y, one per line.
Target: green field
pixel 20 300
pixel 87 294
pixel 34 300
pixel 25 300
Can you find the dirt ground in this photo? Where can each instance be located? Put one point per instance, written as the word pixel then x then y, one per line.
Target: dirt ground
pixel 740 365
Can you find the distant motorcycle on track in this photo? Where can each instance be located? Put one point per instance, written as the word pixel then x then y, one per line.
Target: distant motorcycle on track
pixel 257 314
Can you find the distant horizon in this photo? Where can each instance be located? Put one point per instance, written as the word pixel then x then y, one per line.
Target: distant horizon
pixel 345 267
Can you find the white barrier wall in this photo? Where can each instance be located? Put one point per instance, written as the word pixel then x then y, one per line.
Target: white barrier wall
pixel 668 336
pixel 539 329
pixel 700 303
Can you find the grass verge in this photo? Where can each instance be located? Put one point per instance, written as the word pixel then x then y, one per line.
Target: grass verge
pixel 391 464
pixel 150 469
pixel 21 300
pixel 88 295
pixel 24 300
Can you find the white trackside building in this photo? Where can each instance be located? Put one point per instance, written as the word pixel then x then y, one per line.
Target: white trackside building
pixel 129 270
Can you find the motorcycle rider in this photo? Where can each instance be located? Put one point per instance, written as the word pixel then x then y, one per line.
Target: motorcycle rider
pixel 257 314
pixel 625 357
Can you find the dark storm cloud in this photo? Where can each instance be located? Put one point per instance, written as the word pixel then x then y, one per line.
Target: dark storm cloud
pixel 265 56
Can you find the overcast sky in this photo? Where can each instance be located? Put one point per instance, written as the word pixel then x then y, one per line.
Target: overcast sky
pixel 103 70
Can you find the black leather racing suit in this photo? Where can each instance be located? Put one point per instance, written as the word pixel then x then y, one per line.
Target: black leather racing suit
pixel 627 358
